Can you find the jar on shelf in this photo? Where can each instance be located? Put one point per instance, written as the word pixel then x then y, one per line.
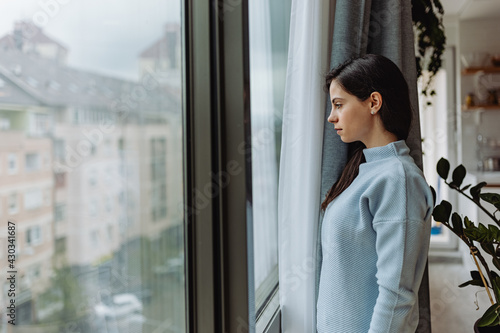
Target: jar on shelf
pixel 492 97
pixel 470 100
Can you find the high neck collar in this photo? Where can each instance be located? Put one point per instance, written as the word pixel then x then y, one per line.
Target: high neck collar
pixel 395 148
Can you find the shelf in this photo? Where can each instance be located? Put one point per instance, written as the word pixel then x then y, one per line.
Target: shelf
pixel 486 70
pixel 480 107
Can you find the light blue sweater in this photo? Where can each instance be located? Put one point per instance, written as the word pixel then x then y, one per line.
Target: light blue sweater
pixel 375 239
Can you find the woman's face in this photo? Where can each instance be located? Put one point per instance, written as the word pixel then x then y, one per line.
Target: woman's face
pixel 351 117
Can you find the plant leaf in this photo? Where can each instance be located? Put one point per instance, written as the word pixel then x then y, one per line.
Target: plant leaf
pixel 442 212
pixel 475 275
pixel 476 190
pixel 468 223
pixel 484 233
pixel 488 248
pixel 456 220
pixel 490 317
pixel 492 198
pixel 494 231
pixel 458 175
pixel 478 283
pixel 465 187
pixel 433 191
pixel 443 168
pixel 496 263
pixel 496 286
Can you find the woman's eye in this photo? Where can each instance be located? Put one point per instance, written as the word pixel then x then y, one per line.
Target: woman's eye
pixel 338 106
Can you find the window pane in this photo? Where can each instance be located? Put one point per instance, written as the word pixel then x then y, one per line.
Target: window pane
pixel 269 24
pixel 91 165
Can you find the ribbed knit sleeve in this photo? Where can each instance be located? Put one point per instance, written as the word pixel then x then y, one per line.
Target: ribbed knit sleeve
pixel 400 221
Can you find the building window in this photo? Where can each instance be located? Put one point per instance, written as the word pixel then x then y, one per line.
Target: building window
pixel 59 179
pixel 93 207
pixel 94 237
pixel 158 178
pixel 4 124
pixel 59 151
pixel 12 163
pixel 40 124
pixel 12 202
pixel 59 212
pixel 108 203
pixel 92 177
pixel 34 236
pixel 33 199
pixel 60 245
pixel 32 162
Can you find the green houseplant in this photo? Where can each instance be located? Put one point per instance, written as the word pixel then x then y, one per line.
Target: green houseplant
pixel 480 239
pixel 430 40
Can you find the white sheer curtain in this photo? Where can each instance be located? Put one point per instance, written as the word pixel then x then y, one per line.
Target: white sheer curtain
pixel 300 166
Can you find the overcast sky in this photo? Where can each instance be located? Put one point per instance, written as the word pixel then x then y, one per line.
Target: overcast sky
pixel 104 36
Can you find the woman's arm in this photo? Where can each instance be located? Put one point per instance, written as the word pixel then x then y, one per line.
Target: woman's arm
pixel 402 226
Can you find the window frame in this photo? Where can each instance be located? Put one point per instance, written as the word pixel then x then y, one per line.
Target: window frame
pixel 218 213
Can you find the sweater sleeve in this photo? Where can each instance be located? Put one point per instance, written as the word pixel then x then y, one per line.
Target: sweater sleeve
pixel 401 209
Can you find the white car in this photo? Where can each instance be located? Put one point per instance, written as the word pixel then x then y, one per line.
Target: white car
pixel 122 305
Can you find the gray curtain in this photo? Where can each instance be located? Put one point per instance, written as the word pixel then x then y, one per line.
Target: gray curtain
pixel 380 27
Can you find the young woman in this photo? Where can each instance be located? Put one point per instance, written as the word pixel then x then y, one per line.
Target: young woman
pixel 376 227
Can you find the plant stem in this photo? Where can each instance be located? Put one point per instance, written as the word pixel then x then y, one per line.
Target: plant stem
pixel 470 245
pixel 476 202
pixel 481 274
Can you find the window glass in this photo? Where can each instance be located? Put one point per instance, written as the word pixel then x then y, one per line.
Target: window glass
pixel 12 163
pixel 32 162
pixel 33 199
pixel 269 22
pixel 91 131
pixel 12 202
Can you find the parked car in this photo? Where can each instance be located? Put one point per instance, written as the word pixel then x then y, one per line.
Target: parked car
pixel 120 305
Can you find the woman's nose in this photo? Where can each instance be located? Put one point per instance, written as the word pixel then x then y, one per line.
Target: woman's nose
pixel 333 117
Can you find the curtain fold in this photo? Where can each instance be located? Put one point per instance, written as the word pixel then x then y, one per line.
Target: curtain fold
pixel 300 164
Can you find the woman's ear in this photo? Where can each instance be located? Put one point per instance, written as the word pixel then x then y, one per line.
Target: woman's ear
pixel 375 101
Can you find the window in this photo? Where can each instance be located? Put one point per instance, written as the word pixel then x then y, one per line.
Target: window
pixel 108 203
pixel 60 246
pixel 94 237
pixel 40 124
pixel 4 124
pixel 93 207
pixel 32 162
pixel 13 204
pixel 59 179
pixel 34 236
pixel 12 164
pixel 59 149
pixel 158 178
pixel 33 199
pixel 60 212
pixel 92 177
pixel 151 96
pixel 268 30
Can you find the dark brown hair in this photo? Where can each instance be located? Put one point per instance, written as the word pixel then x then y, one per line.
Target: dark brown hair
pixel 361 77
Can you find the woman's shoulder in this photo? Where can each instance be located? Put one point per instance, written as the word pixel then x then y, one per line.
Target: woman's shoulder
pixel 400 172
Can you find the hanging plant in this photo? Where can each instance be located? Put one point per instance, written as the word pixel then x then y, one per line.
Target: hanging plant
pixel 430 40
